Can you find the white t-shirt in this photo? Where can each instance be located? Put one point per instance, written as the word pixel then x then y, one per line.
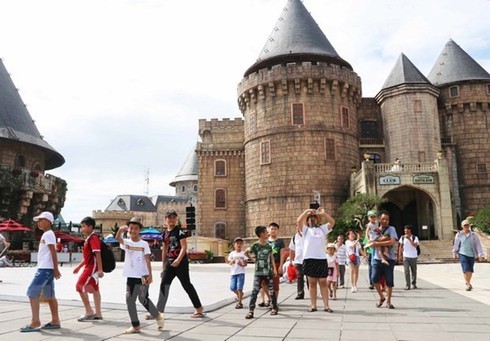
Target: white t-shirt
pixel 134 258
pixel 350 249
pixel 314 241
pixel 44 259
pixel 237 256
pixel 296 244
pixel 409 251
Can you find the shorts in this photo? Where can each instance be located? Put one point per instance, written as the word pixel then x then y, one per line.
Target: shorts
pixel 237 281
pixel 316 268
pixel 86 282
pixel 380 270
pixel 43 280
pixel 356 262
pixel 467 263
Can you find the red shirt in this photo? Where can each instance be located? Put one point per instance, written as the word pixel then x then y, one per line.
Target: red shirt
pixel 92 243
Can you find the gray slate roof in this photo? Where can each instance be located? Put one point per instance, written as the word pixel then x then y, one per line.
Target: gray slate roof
pixel 455 65
pixel 404 72
pixel 188 171
pixel 137 203
pixel 16 123
pixel 157 199
pixel 296 37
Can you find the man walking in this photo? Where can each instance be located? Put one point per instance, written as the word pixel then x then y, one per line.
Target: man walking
pixel 408 253
pixel 379 268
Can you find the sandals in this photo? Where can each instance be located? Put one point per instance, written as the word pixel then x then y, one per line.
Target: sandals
pixel 390 306
pixel 310 310
pixel 250 315
pixel 91 317
pixel 131 330
pixel 197 315
pixel 160 321
pixel 239 306
pixel 49 325
pixel 328 310
pixel 149 317
pixel 273 312
pixel 28 329
pixel 380 302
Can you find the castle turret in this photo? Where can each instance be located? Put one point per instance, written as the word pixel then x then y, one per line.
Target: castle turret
pixel 463 108
pixel 300 102
pixel 409 112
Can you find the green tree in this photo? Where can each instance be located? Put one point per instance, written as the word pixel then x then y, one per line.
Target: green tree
pixel 482 219
pixel 353 212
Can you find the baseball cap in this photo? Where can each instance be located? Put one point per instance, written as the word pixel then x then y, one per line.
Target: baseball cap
pixel 135 220
pixel 170 212
pixel 371 213
pixel 237 239
pixel 45 215
pixel 465 222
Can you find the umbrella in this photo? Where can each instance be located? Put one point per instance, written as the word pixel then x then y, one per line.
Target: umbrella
pixel 150 230
pixel 13 226
pixel 66 238
pixel 110 239
pixel 151 236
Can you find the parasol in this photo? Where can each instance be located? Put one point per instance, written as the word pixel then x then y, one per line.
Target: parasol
pixel 13 226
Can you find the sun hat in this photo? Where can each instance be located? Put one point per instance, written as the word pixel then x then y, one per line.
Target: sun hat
pixel 45 215
pixel 135 220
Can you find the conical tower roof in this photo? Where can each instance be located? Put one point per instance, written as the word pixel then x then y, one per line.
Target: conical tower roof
pixel 16 123
pixel 404 72
pixel 455 65
pixel 296 37
pixel 188 171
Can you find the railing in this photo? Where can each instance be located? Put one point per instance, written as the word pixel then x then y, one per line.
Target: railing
pixel 371 142
pixel 421 167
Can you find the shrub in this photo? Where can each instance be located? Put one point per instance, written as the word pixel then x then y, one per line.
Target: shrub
pixel 482 219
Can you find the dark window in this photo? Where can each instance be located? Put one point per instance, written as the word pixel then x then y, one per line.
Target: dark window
pixel 220 198
pixel 220 168
pixel 140 202
pixel 345 117
pixel 219 230
pixel 265 153
pixel 298 116
pixel 182 189
pixel 454 91
pixel 369 129
pixel 329 149
pixel 488 89
pixel 194 188
pixel 481 168
pixel 20 161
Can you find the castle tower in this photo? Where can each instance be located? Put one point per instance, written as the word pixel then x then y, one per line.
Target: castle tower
pixel 409 112
pixel 300 102
pixel 185 182
pixel 25 188
pixel 463 109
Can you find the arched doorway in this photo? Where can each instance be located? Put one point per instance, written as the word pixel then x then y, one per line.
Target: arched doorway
pixel 411 206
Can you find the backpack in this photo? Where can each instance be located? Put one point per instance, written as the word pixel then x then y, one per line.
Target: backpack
pixel 108 259
pixel 418 246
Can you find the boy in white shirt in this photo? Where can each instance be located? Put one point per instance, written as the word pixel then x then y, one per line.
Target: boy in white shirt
pixel 137 269
pixel 47 271
pixel 238 262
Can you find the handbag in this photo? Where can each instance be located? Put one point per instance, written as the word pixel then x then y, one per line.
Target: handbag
pixel 292 273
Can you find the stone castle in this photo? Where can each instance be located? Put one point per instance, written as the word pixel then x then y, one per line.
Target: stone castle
pixel 307 134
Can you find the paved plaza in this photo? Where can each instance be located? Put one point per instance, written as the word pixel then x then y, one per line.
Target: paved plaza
pixel 440 309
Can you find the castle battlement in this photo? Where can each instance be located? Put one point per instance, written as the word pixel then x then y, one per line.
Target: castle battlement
pixel 223 125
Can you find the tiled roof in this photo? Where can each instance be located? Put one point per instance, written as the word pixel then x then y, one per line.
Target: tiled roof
pixel 404 72
pixel 296 37
pixel 17 124
pixel 137 203
pixel 455 65
pixel 188 171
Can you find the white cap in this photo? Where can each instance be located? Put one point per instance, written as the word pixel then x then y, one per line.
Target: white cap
pixel 45 215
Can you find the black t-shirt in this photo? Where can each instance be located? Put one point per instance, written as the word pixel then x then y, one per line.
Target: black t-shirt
pixel 276 245
pixel 172 242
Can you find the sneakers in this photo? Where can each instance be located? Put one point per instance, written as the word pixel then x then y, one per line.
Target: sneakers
pixel 354 289
pixel 414 286
pixel 341 287
pixel 299 297
pixel 407 287
pixel 160 321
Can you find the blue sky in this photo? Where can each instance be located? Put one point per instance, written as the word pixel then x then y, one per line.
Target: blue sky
pixel 118 86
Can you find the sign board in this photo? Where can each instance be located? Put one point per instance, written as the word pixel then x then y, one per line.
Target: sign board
pixel 389 180
pixel 423 179
pixel 424 227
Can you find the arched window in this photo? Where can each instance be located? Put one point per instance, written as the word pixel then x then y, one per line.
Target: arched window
pixel 20 161
pixel 220 198
pixel 182 189
pixel 220 168
pixel 220 230
pixel 194 188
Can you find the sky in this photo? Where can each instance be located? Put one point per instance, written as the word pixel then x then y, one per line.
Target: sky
pixel 118 86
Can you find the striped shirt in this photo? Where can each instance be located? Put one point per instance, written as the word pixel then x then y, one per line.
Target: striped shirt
pixel 341 254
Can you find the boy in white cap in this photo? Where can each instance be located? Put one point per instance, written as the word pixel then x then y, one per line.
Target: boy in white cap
pixel 47 271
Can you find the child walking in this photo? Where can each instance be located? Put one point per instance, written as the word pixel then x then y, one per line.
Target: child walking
pixel 332 270
pixel 238 262
pixel 265 269
pixel 47 271
pixel 137 269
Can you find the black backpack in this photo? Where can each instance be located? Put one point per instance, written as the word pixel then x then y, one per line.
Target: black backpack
pixel 108 259
pixel 418 246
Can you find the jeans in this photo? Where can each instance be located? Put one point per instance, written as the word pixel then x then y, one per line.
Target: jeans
pixel 410 264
